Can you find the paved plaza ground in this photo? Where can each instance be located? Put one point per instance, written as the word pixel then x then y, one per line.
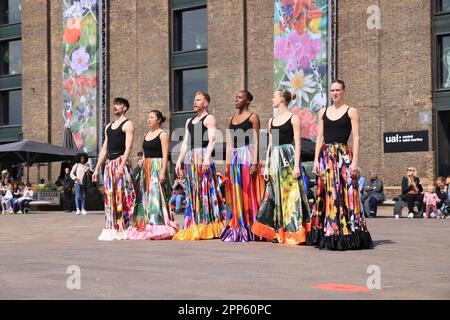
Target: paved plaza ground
pixel 413 257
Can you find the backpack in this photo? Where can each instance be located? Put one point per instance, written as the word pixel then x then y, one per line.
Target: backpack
pixel 87 179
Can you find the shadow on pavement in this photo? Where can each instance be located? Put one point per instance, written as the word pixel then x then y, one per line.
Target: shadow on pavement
pixel 377 243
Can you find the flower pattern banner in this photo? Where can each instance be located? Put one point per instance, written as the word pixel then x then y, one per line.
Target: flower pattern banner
pixel 301 57
pixel 80 72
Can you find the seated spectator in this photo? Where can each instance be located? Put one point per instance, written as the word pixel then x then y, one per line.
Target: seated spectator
pixel 27 195
pixel 412 192
pixel 178 192
pixel 373 193
pixel 443 193
pixel 7 200
pixel 361 182
pixel 430 200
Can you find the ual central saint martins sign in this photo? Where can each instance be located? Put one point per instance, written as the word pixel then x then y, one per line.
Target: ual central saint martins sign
pixel 411 141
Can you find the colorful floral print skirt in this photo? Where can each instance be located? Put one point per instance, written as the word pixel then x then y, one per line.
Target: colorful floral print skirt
pixel 119 201
pixel 284 211
pixel 337 222
pixel 243 195
pixel 152 219
pixel 205 208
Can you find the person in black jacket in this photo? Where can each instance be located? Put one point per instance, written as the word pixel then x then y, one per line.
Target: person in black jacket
pixel 67 187
pixel 412 192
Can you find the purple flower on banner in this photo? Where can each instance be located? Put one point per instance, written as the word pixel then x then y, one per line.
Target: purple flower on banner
pixel 80 60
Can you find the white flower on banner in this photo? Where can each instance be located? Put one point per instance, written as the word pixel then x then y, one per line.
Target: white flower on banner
pixel 300 84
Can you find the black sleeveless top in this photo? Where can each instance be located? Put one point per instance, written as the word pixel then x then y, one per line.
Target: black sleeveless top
pixel 116 141
pixel 241 130
pixel 194 131
pixel 153 148
pixel 284 134
pixel 338 130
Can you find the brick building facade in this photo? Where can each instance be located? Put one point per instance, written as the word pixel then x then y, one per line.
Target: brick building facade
pixel 388 71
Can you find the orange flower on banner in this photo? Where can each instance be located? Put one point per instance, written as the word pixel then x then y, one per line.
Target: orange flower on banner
pixel 304 11
pixel 73 30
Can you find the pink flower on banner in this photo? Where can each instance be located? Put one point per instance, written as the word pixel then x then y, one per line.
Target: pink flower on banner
pixel 308 123
pixel 281 47
pixel 301 50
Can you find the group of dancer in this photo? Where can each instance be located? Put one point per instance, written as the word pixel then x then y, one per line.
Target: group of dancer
pixel 267 204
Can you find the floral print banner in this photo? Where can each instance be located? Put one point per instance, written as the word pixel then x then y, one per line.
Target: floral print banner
pixel 301 57
pixel 80 72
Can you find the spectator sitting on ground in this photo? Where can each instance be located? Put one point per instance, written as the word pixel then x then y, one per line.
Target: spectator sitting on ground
pixel 373 193
pixel 412 192
pixel 430 200
pixel 178 192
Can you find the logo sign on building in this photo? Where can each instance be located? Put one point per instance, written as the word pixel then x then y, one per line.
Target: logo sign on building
pixel 411 141
pixel 48 196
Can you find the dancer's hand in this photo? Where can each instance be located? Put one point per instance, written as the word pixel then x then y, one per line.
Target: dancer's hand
pixel 316 167
pixel 120 172
pixel 95 176
pixel 206 165
pixel 296 173
pixel 353 171
pixel 162 178
pixel 178 169
pixel 254 171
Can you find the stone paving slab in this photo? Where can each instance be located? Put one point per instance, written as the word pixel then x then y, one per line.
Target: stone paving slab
pixel 36 251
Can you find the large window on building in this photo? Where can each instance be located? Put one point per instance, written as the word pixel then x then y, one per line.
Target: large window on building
pixel 190 30
pixel 10 11
pixel 443 6
pixel 11 57
pixel 10 70
pixel 444 62
pixel 189 52
pixel 10 108
pixel 186 83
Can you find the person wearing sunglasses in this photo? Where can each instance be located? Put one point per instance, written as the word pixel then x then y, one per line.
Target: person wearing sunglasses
pixel 412 192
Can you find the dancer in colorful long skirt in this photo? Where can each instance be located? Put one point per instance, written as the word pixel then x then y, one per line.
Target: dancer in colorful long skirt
pixel 205 207
pixel 337 222
pixel 117 177
pixel 284 213
pixel 152 219
pixel 244 181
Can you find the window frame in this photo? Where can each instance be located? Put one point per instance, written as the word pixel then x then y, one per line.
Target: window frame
pixel 6 75
pixel 183 60
pixel 12 23
pixel 438 62
pixel 177 96
pixel 9 125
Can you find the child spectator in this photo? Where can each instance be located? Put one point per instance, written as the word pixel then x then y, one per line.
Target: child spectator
pixel 27 195
pixel 7 200
pixel 178 192
pixel 430 200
